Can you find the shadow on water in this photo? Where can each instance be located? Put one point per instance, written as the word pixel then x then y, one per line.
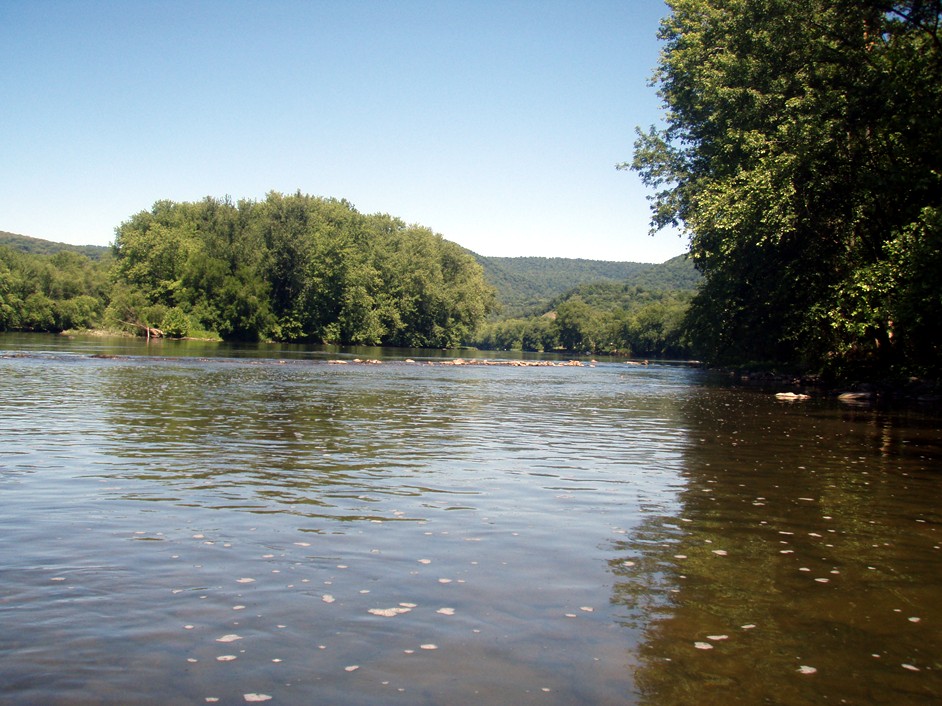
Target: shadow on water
pixel 804 566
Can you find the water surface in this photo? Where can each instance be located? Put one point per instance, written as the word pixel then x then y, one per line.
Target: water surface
pixel 186 525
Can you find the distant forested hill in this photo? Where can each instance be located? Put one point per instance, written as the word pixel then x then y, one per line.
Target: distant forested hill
pixel 628 308
pixel 37 246
pixel 610 296
pixel 525 285
pixel 676 273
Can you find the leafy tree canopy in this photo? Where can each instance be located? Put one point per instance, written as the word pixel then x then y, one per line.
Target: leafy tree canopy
pixel 801 153
pixel 41 292
pixel 296 268
pixel 299 268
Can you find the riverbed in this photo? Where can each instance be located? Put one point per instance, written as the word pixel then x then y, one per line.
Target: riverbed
pixel 203 523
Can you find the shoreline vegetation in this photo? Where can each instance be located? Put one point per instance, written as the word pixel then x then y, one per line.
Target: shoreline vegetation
pixel 799 152
pixel 304 269
pixel 486 362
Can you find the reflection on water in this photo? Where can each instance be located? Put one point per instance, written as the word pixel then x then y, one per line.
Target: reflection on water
pixel 257 435
pixel 180 529
pixel 806 563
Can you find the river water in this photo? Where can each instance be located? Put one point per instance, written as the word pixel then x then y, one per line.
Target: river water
pixel 191 524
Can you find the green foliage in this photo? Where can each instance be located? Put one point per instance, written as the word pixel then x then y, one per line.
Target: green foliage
pixel 38 246
pixel 526 285
pixel 50 292
pixel 125 309
pixel 297 268
pixel 579 328
pixel 801 154
pixel 175 323
pixel 677 274
pixel 80 312
pixel 657 329
pixel 602 317
pixel 888 311
pixel 301 268
pixel 537 334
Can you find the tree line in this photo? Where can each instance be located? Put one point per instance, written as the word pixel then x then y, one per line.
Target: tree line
pixel 289 268
pixel 300 268
pixel 56 292
pixel 295 268
pixel 800 152
pixel 526 284
pixel 601 317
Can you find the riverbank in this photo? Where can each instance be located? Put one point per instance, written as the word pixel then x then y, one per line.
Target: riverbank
pixel 880 392
pixel 119 333
pixel 910 391
pixel 487 362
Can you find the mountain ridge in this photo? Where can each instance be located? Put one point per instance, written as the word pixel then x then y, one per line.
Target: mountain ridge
pixel 42 246
pixel 527 285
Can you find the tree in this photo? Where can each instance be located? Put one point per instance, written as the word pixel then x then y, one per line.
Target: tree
pixel 801 156
pixel 296 268
pixel 577 325
pixel 51 292
pixel 151 250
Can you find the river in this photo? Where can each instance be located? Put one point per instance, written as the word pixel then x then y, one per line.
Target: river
pixel 190 523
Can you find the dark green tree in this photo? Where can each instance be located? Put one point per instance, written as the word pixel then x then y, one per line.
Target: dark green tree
pixel 801 155
pixel 577 325
pixel 295 268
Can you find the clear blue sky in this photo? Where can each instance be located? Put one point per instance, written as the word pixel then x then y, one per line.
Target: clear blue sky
pixel 496 123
